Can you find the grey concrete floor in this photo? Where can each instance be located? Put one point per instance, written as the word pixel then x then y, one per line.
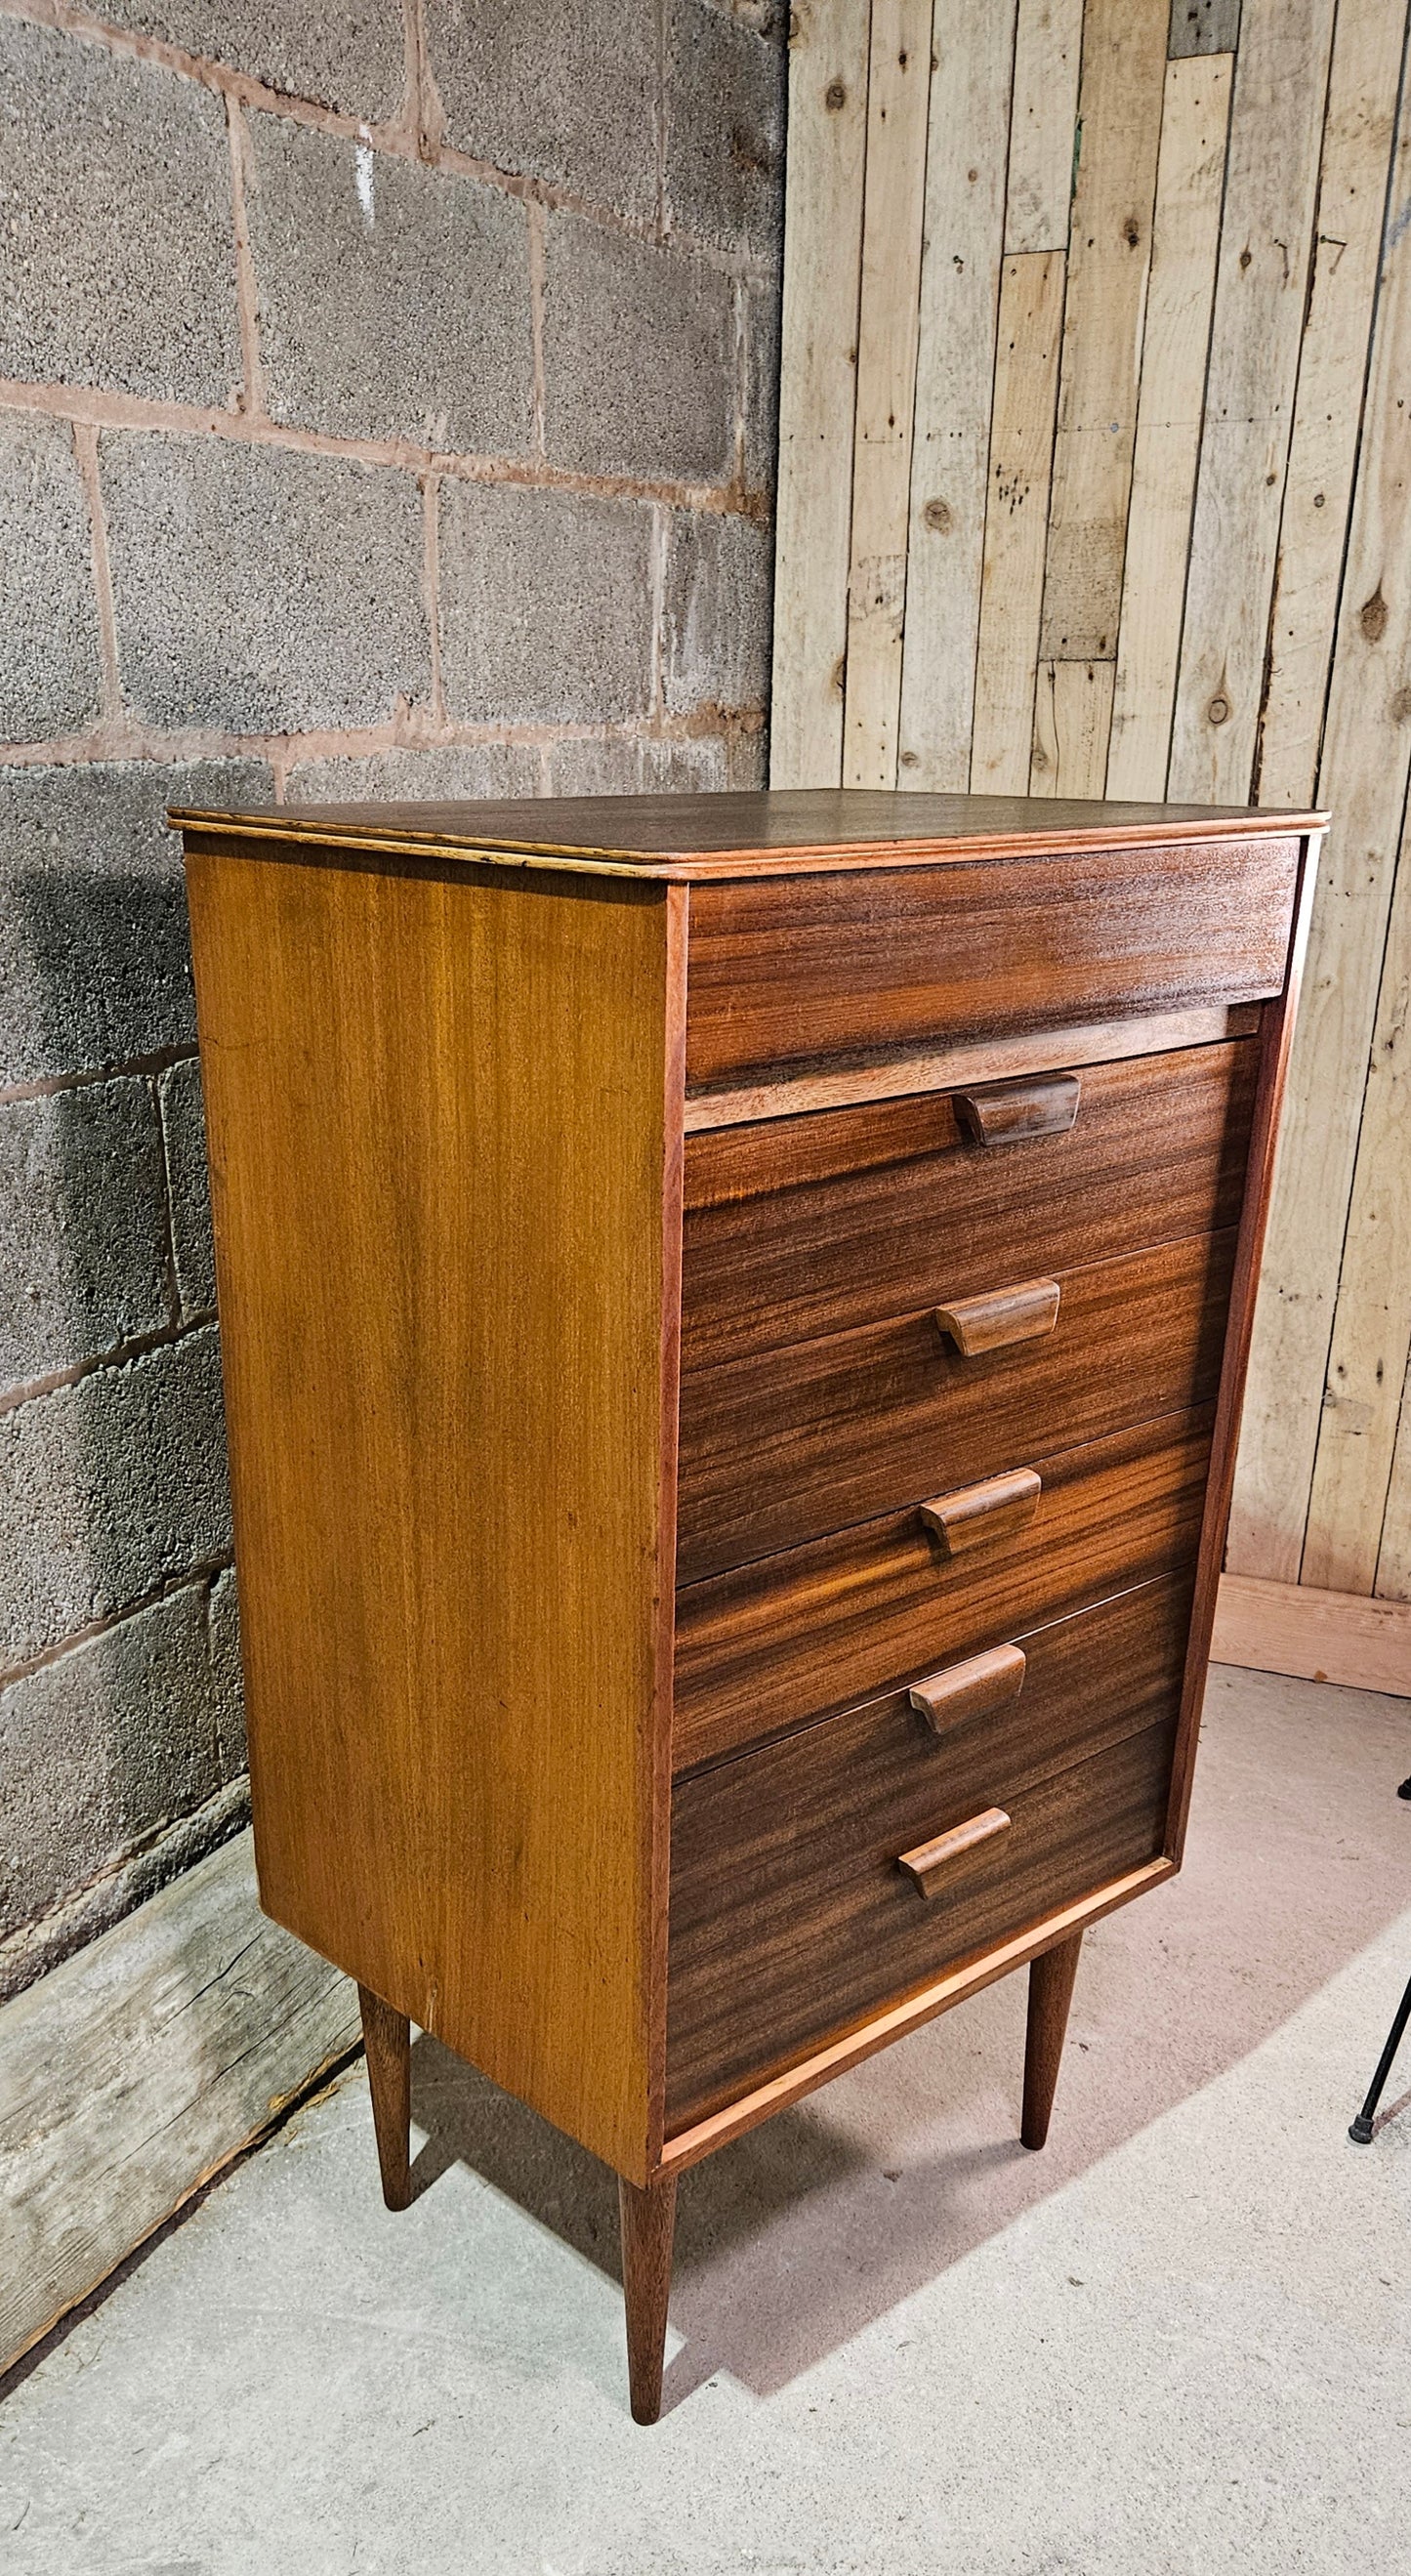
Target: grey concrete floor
pixel 1176 2343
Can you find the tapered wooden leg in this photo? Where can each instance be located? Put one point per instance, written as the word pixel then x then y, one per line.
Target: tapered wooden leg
pixel 1050 1994
pixel 648 2224
pixel 387 2037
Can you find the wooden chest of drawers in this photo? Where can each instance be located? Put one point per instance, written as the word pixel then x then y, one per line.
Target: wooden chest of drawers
pixel 734 1316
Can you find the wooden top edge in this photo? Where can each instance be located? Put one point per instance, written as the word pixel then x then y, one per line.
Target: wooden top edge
pixel 699 837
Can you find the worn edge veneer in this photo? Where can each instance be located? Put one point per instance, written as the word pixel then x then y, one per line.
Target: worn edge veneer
pixel 967 1978
pixel 386 831
pixel 530 1055
pixel 1275 1044
pixel 898 1077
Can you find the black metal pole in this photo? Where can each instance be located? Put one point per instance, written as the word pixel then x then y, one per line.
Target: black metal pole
pixel 1361 2129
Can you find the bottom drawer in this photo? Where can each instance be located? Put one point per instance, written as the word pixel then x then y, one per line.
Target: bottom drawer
pixel 791 1919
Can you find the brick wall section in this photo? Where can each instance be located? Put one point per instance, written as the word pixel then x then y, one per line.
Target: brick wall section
pixel 387 403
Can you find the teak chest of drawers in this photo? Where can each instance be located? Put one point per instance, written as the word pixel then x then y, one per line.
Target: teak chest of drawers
pixel 735 1311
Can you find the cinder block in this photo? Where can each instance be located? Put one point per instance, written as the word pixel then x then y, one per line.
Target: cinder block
pixel 394 300
pixel 102 1748
pixel 263 590
pixel 108 1489
pixel 643 766
pixel 116 259
pixel 82 1226
pixel 350 57
pixel 566 91
pixel 50 677
pixel 639 357
pixel 440 774
pixel 223 1641
pixel 719 586
pixel 95 964
pixel 188 1186
pixel 545 605
pixel 725 91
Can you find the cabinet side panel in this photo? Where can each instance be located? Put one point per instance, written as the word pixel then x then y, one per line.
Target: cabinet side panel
pixel 438 1123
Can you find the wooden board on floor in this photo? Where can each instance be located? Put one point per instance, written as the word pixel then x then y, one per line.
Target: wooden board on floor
pixel 1318 1636
pixel 137 2069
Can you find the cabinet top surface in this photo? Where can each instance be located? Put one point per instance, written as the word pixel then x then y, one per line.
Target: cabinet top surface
pixel 780 832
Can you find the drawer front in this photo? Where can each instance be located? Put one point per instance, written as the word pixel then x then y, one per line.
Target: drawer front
pixel 779 971
pixel 791 1919
pixel 792 1636
pixel 778 1449
pixel 799 1227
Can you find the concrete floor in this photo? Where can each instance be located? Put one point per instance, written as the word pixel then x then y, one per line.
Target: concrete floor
pixel 1178 2342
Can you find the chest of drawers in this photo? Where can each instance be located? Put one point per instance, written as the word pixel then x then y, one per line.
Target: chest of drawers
pixel 734 1315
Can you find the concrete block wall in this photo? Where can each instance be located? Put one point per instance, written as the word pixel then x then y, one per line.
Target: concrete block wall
pixel 387 403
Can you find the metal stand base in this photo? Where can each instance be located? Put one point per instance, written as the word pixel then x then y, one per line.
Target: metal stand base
pixel 1361 2130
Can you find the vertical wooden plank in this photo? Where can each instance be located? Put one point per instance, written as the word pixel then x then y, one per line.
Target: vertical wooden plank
pixel 1072 718
pixel 1185 242
pixel 1203 27
pixel 1016 520
pixel 1372 1324
pixel 1124 70
pixel 1357 144
pixel 1394 1561
pixel 818 388
pixel 897 94
pixel 1363 779
pixel 1275 141
pixel 1047 49
pixel 972 64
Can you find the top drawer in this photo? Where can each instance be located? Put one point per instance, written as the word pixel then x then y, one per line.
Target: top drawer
pixel 789 968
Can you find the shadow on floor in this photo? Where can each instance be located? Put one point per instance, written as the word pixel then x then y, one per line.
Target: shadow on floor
pixel 794 2238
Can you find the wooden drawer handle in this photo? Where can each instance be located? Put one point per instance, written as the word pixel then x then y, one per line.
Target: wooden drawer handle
pixel 928 1864
pixel 1022 1314
pixel 971 1689
pixel 1004 1113
pixel 981 1512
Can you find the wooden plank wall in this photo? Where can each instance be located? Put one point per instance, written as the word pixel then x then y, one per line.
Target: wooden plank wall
pixel 1095 479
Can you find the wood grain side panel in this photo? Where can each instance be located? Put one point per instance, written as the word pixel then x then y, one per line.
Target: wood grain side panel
pixel 779 1449
pixel 440 1162
pixel 882 958
pixel 1275 1045
pixel 800 1227
pixel 790 1915
pixel 793 1636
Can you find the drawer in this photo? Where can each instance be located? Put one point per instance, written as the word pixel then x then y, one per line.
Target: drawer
pixel 787 970
pixel 777 1449
pixel 792 1636
pixel 798 1227
pixel 790 1918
